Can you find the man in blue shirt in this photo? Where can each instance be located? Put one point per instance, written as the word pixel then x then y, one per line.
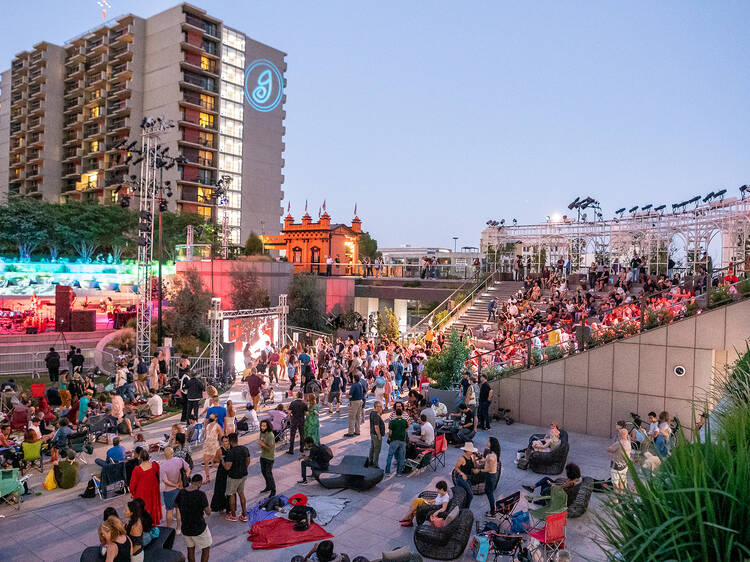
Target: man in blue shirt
pixel 398 373
pixel 304 357
pixel 83 406
pixel 219 411
pixel 356 396
pixel 116 453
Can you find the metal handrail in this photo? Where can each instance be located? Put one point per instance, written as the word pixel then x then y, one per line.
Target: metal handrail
pixel 437 309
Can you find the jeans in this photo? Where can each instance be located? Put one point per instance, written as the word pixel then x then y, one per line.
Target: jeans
pixel 266 469
pixel 296 427
pixel 462 435
pixel 193 407
pixel 313 467
pixel 273 374
pixel 484 415
pixel 375 444
pixel 490 480
pixel 662 447
pixel 397 449
pixel 636 273
pixel 544 485
pixel 127 391
pixel 490 315
pixel 458 480
pixel 101 462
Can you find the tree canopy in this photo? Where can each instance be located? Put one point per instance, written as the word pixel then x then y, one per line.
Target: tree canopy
pixel 368 246
pixel 306 300
pixel 247 292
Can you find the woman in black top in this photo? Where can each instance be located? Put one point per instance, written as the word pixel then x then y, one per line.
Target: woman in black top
pixel 138 527
pixel 464 468
pixel 113 536
pixel 219 501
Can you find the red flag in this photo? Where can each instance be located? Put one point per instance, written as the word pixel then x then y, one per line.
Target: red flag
pixel 305 205
pixel 289 207
pixel 324 205
pixel 355 209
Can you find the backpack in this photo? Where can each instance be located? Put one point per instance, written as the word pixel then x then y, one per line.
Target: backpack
pixel 90 490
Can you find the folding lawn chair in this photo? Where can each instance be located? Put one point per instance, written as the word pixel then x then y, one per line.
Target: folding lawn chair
pixel 422 461
pixel 504 508
pixel 11 488
pixel 32 456
pixel 437 458
pixel 551 537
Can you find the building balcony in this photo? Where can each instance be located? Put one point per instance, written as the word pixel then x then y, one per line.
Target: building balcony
pixel 117 126
pixel 74 104
pixel 33 172
pixel 208 27
pixel 17 100
pixel 34 140
pixel 72 153
pixel 34 125
pixel 96 80
pixel 96 64
pixel 204 125
pixel 199 83
pixel 193 99
pixel 73 119
pixel 118 108
pixel 199 143
pixel 74 70
pixel 121 34
pixel 71 170
pixel 73 88
pixel 14 129
pixel 210 67
pixel 118 89
pixel 122 70
pixel 18 65
pixel 36 93
pixel 91 133
pixel 36 57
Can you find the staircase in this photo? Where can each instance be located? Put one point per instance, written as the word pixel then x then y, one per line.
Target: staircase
pixel 476 313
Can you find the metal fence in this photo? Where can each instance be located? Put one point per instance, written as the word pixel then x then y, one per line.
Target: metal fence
pixel 32 362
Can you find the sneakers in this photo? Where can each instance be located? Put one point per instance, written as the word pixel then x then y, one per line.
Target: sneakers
pixel 303 482
pixel 243 518
pixel 230 517
pixel 348 435
pixel 529 488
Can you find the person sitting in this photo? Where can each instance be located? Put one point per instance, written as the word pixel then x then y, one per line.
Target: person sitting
pixel 466 426
pixel 426 437
pixel 321 552
pixel 117 409
pixel 128 422
pixel 317 458
pixel 34 425
pixel 545 443
pixel 571 483
pixel 60 440
pixel 19 419
pixel 441 500
pixel 155 404
pixel 277 417
pixel 427 410
pixel 66 471
pixel 440 409
pixel 116 453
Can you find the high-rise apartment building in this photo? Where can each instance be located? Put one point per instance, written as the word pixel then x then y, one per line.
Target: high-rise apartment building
pixel 64 111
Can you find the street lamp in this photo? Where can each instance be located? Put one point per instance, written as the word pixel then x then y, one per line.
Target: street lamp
pixel 455 238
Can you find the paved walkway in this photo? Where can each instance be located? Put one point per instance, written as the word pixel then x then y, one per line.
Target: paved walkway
pixel 58 525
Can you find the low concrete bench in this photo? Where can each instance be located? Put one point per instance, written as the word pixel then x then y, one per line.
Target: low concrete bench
pixel 352 473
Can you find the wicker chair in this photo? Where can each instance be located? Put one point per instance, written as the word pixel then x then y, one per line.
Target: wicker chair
pixel 459 498
pixel 478 488
pixel 445 543
pixel 580 504
pixel 552 462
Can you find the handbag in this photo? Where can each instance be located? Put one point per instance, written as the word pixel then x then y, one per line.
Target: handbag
pixel 184 480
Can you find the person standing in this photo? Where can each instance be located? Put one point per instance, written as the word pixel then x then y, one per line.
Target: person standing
pixel 236 463
pixel 171 481
pixel 356 396
pixel 153 373
pixel 193 505
pixel 254 384
pixel 213 433
pixel 334 393
pixel 77 360
pixel 52 362
pixel 485 399
pixel 144 484
pixel 491 306
pixel 267 444
pixel 377 430
pixel 620 455
pixel 194 392
pixel 273 366
pixel 297 411
pixel 397 441
pixel 312 419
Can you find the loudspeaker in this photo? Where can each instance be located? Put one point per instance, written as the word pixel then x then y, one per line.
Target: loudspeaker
pixel 32 330
pixel 64 297
pixel 83 321
pixel 227 355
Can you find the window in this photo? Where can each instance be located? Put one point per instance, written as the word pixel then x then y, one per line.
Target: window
pixel 210 47
pixel 206 120
pixel 315 254
pixel 231 91
pixel 232 56
pixel 233 74
pixel 205 158
pixel 297 254
pixel 95 111
pixel 205 212
pixel 230 163
pixel 204 194
pixel 230 145
pixel 208 64
pixel 206 139
pixel 231 109
pixel 233 38
pixel 230 127
pixel 208 102
pixel 94 147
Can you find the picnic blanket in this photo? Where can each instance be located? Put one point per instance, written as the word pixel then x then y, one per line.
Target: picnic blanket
pixel 279 533
pixel 326 507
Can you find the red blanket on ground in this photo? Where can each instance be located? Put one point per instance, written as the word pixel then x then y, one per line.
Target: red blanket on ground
pixel 279 533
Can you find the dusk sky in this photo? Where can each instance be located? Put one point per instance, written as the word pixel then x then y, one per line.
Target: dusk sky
pixel 434 117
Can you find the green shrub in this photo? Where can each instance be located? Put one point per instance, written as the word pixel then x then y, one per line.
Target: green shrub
pixel 446 367
pixel 553 352
pixel 744 287
pixel 691 308
pixel 438 318
pixel 665 316
pixel 720 296
pixel 125 339
pixel 652 320
pixel 412 284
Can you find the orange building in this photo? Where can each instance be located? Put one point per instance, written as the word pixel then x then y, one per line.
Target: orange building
pixel 309 244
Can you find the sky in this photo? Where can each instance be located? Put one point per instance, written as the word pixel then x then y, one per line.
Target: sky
pixel 434 117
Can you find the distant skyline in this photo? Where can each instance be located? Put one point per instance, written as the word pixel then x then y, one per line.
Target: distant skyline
pixel 433 121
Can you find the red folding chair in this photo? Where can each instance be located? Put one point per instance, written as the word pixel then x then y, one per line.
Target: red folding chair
pixel 438 452
pixel 552 535
pixel 37 390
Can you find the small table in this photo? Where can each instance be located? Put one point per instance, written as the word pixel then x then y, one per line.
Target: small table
pixel 352 473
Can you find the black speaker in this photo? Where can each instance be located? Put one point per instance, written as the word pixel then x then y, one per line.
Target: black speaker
pixel 227 356
pixel 32 330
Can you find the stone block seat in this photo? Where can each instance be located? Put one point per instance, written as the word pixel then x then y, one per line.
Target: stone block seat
pixel 351 472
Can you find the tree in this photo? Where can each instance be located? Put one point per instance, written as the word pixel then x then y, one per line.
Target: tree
pixel 253 245
pixel 305 298
pixel 446 367
pixel 247 292
pixel 191 302
pixel 388 325
pixel 368 246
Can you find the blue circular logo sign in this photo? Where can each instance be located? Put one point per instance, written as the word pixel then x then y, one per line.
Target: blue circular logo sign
pixel 264 86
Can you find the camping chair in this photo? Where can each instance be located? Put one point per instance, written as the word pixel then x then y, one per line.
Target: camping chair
pixel 32 455
pixel 113 479
pixel 558 502
pixel 552 535
pixel 196 435
pixel 505 507
pixel 37 390
pixel 422 461
pixel 437 456
pixel 77 442
pixel 11 487
pixel 101 426
pixel 505 545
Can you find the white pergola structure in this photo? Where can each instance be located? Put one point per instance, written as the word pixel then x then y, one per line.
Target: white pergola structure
pixel 217 316
pixel 685 234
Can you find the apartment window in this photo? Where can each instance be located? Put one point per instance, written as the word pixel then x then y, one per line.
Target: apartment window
pixel 208 64
pixel 206 139
pixel 232 56
pixel 206 177
pixel 205 158
pixel 95 111
pixel 230 163
pixel 297 254
pixel 206 120
pixel 231 127
pixel 230 145
pixel 205 212
pixel 231 109
pixel 210 47
pixel 94 146
pixel 233 39
pixel 208 102
pixel 231 91
pixel 232 74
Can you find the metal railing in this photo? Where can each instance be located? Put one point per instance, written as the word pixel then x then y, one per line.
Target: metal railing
pixel 32 362
pixel 404 271
pixel 302 335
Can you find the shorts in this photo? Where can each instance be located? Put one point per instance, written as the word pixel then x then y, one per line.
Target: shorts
pixel 169 497
pixel 235 485
pixel 201 541
pixel 334 396
pixel 619 477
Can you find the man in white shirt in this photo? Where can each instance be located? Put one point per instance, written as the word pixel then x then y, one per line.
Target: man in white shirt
pixel 155 404
pixel 426 434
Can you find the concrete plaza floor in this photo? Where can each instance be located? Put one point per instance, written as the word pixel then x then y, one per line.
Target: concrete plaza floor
pixel 58 525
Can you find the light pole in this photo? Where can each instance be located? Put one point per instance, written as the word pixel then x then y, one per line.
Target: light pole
pixel 455 239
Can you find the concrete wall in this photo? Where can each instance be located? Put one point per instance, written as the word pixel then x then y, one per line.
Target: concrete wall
pixel 589 392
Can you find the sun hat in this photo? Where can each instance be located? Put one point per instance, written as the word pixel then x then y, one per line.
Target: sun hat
pixel 469 446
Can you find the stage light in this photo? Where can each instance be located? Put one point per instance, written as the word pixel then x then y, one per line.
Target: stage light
pixel 660 208
pixel 145 215
pixel 620 211
pixel 574 204
pixel 163 205
pixel 720 193
pixel 646 207
pixel 694 200
pixel 633 210
pixel 583 217
pixel 708 197
pixel 131 146
pixel 502 221
pixel 515 222
pixel 125 201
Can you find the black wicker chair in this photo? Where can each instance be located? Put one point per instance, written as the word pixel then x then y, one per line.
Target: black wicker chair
pixel 580 504
pixel 445 543
pixel 459 498
pixel 552 462
pixel 477 488
pixel 159 549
